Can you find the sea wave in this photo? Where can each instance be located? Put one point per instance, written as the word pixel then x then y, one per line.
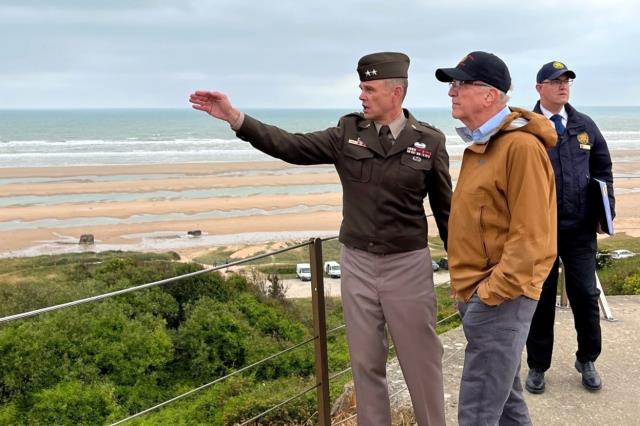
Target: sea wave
pixel 93 152
pixel 114 142
pixel 190 194
pixel 100 158
pixel 15 225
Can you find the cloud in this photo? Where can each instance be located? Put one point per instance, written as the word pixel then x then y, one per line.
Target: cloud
pixel 297 54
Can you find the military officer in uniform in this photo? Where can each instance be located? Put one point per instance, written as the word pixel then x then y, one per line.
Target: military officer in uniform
pixel 388 162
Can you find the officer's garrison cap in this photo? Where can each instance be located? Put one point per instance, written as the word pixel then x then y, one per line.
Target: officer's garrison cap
pixel 382 65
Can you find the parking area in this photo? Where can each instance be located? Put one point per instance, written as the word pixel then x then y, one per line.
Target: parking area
pixel 299 289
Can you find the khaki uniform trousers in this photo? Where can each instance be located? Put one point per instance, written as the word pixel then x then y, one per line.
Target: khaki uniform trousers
pixel 396 289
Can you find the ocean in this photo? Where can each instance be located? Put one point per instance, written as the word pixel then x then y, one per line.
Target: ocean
pixel 164 136
pixel 49 207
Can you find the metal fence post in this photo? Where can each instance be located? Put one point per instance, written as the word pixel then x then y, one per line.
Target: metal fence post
pixel 320 329
pixel 563 288
pixel 604 305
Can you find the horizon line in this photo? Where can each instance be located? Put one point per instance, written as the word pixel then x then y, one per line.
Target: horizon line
pixel 125 108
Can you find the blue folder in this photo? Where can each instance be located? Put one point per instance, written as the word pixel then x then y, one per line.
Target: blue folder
pixel 603 208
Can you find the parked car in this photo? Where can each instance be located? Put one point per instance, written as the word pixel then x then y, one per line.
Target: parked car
pixel 435 265
pixel 443 263
pixel 332 269
pixel 621 254
pixel 303 271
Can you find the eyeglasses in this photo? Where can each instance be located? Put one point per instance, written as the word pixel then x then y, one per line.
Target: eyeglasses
pixel 457 84
pixel 558 82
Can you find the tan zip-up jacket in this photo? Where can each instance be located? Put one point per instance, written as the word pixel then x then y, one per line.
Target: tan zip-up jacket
pixel 502 227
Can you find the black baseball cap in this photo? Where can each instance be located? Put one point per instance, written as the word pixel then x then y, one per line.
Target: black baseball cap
pixel 383 65
pixel 553 70
pixel 479 66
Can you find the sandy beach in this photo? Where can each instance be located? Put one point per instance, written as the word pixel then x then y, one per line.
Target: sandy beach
pixel 48 213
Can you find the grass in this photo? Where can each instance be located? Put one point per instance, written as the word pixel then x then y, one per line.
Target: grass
pixel 620 241
pixel 35 282
pixel 42 264
pixel 614 275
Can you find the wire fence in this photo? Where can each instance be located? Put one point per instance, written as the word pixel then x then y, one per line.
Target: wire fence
pixel 320 331
pixel 319 338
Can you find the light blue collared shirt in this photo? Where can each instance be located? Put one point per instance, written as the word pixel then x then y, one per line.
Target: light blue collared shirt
pixel 483 133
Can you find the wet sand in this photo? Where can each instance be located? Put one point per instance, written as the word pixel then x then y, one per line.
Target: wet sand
pixel 163 223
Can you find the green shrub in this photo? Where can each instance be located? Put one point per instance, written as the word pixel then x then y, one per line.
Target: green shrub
pixel 84 343
pixel 103 361
pixel 632 284
pixel 213 339
pixel 263 396
pixel 10 415
pixel 613 277
pixel 74 403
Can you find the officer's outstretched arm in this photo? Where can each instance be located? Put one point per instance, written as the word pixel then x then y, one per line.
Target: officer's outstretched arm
pixel 215 104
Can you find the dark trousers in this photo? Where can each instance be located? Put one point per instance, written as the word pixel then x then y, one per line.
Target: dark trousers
pixel 490 388
pixel 577 249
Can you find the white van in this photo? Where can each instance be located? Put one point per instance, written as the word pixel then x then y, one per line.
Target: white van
pixel 303 271
pixel 332 269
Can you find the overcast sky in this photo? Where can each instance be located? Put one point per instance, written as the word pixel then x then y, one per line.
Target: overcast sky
pixel 300 54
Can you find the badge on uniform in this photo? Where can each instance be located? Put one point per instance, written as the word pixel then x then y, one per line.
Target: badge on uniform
pixel 583 139
pixel 419 150
pixel 358 142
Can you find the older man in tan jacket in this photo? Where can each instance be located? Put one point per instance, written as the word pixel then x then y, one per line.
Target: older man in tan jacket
pixel 502 235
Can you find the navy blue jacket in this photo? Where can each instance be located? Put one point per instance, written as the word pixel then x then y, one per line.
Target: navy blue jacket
pixel 574 164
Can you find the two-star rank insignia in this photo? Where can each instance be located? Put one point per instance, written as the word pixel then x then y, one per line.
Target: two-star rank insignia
pixel 371 72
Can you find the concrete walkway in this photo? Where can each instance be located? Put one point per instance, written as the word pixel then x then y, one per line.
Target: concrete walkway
pixel 565 401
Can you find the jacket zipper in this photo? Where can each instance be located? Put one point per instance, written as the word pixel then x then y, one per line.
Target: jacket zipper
pixel 484 244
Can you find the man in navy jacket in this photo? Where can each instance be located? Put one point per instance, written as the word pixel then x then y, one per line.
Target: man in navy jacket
pixel 580 155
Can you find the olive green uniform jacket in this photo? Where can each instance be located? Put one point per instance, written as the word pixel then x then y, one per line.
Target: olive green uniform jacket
pixel 502 242
pixel 383 194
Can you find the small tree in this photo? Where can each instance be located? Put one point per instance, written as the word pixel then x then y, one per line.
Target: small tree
pixel 258 279
pixel 277 290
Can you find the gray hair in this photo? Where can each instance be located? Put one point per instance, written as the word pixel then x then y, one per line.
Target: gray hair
pixel 503 98
pixel 402 82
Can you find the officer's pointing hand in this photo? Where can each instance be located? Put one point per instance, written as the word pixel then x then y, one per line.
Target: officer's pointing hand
pixel 215 104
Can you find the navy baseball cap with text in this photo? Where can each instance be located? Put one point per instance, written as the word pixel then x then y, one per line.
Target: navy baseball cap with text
pixel 553 70
pixel 479 66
